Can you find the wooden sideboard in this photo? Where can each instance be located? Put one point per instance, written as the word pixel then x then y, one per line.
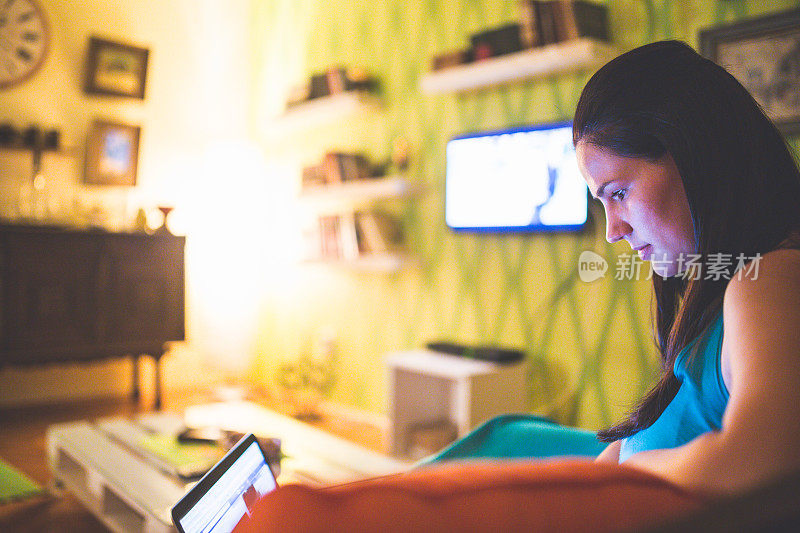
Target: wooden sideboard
pixel 74 295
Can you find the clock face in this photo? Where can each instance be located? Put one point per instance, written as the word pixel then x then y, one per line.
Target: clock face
pixel 23 40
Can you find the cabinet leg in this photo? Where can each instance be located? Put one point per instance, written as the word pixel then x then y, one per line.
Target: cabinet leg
pixel 135 393
pixel 157 383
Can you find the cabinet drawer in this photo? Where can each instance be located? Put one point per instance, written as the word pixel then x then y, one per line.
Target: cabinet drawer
pixel 49 286
pixel 143 287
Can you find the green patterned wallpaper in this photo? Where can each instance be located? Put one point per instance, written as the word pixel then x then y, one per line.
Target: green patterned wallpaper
pixel 589 347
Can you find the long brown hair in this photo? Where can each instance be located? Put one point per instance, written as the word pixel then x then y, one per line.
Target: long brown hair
pixel 741 181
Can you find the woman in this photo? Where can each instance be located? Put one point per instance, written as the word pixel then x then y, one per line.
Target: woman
pixel 691 172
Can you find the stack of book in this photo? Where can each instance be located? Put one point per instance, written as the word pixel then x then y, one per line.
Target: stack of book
pixel 542 22
pixel 329 238
pixel 348 236
pixel 496 42
pixel 377 232
pixel 547 22
pixel 338 167
pixel 332 81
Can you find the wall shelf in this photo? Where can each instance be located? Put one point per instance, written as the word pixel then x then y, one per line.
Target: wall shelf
pixel 70 151
pixel 322 110
pixel 355 193
pixel 550 59
pixel 343 200
pixel 369 262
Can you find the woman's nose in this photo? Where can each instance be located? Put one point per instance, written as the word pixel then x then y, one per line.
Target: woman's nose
pixel 616 228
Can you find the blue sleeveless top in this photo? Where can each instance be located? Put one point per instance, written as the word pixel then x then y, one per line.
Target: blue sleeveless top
pixel 699 404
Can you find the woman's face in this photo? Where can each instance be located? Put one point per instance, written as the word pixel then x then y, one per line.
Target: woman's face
pixel 645 204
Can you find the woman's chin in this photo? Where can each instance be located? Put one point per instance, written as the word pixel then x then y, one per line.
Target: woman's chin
pixel 665 270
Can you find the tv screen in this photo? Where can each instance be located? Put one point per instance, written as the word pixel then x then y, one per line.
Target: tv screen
pixel 520 179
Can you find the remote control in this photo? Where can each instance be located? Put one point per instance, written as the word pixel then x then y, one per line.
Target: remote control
pixel 483 353
pixel 447 347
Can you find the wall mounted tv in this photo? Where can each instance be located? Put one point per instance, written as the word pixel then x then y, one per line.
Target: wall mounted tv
pixel 523 179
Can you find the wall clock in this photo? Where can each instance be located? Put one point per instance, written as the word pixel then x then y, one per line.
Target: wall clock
pixel 24 38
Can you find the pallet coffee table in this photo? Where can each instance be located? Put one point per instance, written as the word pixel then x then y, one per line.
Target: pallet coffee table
pixel 129 493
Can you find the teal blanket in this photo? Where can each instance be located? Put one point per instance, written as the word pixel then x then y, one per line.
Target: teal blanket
pixel 520 436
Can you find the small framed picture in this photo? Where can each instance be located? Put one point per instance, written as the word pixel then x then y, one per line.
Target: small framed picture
pixel 116 69
pixel 112 154
pixel 764 55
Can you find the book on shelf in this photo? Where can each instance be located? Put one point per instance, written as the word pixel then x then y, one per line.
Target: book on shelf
pixel 336 168
pixel 542 22
pixel 332 168
pixel 348 237
pixel 548 25
pixel 313 176
pixel 547 22
pixel 577 18
pixel 341 167
pixel 378 232
pixel 330 237
pixel 337 80
pixel 529 30
pixel 452 59
pixel 496 42
pixel 331 81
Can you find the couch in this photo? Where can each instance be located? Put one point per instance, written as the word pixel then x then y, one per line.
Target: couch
pixel 513 473
pixel 484 496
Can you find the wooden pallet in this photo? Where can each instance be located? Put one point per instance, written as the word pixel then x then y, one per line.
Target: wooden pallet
pixel 129 494
pixel 117 486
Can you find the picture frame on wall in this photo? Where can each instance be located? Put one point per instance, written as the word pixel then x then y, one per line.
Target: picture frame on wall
pixel 116 69
pixel 112 153
pixel 764 55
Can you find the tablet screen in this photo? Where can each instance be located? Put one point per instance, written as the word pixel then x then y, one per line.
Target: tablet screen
pixel 219 501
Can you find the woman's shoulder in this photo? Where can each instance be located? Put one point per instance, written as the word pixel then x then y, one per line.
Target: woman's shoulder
pixel 764 274
pixel 766 290
pixel 761 315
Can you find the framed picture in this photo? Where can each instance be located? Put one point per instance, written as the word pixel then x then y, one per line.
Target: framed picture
pixel 764 55
pixel 115 69
pixel 112 154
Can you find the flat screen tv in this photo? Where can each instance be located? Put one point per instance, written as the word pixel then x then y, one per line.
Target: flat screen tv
pixel 523 179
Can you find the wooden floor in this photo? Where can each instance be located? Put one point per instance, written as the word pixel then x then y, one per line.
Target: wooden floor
pixel 22 444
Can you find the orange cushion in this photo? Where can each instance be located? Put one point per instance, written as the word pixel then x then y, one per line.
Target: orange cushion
pixel 557 496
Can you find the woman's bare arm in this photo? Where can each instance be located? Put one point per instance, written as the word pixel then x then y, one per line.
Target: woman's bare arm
pixel 760 435
pixel 610 454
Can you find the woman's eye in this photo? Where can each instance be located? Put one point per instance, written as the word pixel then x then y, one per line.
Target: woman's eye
pixel 619 194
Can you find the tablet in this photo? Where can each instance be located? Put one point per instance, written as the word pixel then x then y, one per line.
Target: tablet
pixel 227 492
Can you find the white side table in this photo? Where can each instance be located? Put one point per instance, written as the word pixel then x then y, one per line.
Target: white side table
pixel 425 386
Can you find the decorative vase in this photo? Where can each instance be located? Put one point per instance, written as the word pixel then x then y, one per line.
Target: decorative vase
pixel 165 210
